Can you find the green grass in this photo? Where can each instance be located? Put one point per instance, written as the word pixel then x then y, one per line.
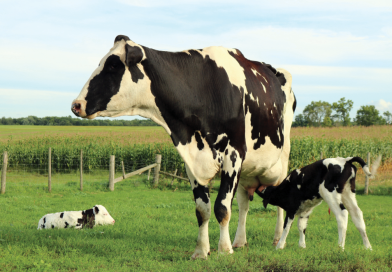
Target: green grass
pixel 156 230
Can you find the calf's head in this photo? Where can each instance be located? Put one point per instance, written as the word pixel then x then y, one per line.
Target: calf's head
pixel 118 86
pixel 102 216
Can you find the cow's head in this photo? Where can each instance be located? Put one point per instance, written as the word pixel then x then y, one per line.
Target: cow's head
pixel 118 86
pixel 102 216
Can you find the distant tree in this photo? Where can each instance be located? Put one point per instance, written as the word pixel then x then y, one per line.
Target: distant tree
pixel 368 116
pixel 316 112
pixel 388 117
pixel 299 121
pixel 342 109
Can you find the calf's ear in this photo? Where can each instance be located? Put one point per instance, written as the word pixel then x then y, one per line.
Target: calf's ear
pixel 96 210
pixel 133 55
pixel 265 203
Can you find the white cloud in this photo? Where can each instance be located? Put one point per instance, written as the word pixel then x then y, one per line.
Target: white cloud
pixel 383 105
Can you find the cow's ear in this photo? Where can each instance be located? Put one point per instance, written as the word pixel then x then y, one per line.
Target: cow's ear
pixel 96 210
pixel 133 55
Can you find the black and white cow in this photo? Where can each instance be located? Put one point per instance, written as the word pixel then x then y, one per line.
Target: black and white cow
pixel 224 114
pixel 332 180
pixel 98 215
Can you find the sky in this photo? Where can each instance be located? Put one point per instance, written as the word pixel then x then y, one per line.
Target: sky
pixel 332 48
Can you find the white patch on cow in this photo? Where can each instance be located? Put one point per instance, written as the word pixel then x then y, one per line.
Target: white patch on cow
pixel 200 162
pixel 53 219
pixel 335 161
pixel 265 79
pixel 298 171
pixel 274 105
pixel 298 186
pixel 278 134
pixel 271 112
pixel 187 51
pixel 255 72
pixel 265 90
pixel 223 59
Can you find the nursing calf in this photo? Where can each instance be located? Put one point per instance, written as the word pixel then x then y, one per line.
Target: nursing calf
pixel 332 180
pixel 98 215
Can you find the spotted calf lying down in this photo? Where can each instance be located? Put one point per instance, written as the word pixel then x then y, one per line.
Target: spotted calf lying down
pixel 332 180
pixel 98 215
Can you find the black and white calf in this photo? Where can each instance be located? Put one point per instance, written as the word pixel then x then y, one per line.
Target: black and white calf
pixel 332 180
pixel 98 215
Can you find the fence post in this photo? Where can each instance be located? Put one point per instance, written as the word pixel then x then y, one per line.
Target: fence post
pixel 158 160
pixel 175 173
pixel 111 172
pixel 4 172
pixel 123 170
pixel 149 171
pixel 50 170
pixel 367 178
pixel 321 155
pixel 81 169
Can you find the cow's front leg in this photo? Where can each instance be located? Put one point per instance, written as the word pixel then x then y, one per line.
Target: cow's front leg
pixel 279 226
pixel 230 175
pixel 286 228
pixel 203 213
pixel 243 206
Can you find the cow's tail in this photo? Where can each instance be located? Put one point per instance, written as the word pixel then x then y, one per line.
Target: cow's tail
pixel 365 167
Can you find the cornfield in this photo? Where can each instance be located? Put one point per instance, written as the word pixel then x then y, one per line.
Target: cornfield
pixel 97 150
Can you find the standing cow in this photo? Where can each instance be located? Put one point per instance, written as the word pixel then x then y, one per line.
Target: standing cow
pixel 224 114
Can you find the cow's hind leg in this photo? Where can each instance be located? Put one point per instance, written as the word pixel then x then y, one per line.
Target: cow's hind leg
pixel 302 224
pixel 230 175
pixel 351 204
pixel 334 200
pixel 279 226
pixel 203 213
pixel 243 206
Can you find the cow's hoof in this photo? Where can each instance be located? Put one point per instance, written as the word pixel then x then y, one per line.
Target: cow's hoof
pixel 302 246
pixel 276 241
pixel 240 245
pixel 200 255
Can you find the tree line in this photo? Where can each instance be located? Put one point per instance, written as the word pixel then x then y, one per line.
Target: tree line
pixel 69 121
pixel 324 114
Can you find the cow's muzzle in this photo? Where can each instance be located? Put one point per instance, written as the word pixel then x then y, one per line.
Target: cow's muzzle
pixel 79 108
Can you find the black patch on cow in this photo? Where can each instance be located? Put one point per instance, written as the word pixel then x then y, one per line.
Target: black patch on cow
pixel 104 85
pixel 133 56
pixel 88 218
pixel 44 220
pixel 220 211
pixel 291 216
pixel 121 37
pixel 66 225
pixel 194 94
pixel 219 160
pixel 80 220
pixel 199 218
pixel 263 122
pixel 233 158
pixel 61 215
pixel 195 182
pixel 43 226
pixel 342 206
pixel 52 226
pixel 96 209
pixel 200 144
pixel 251 197
pixel 222 144
pixel 304 231
pixel 227 185
pixel 294 104
pixel 201 192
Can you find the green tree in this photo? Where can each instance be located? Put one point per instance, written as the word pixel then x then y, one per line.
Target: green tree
pixel 299 121
pixel 388 117
pixel 316 112
pixel 368 116
pixel 342 109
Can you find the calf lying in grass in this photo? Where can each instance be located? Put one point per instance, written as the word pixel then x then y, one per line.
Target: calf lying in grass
pixel 330 179
pixel 98 215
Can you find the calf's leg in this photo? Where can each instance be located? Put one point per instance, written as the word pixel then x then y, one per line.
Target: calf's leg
pixel 279 226
pixel 351 204
pixel 286 228
pixel 302 224
pixel 334 200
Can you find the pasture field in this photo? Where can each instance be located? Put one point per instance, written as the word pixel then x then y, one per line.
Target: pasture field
pixel 156 230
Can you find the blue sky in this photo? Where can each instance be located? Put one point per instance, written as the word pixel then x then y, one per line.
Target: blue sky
pixel 333 49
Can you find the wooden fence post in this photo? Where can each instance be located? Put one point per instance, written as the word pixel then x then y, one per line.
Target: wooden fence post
pixel 366 191
pixel 175 173
pixel 81 170
pixel 4 172
pixel 158 160
pixel 123 170
pixel 321 155
pixel 111 172
pixel 50 170
pixel 149 172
